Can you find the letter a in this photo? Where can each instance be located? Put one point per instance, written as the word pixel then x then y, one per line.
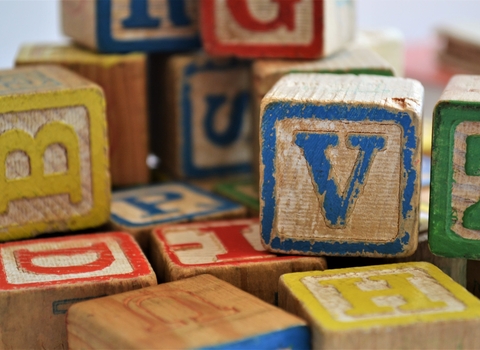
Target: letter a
pixel 286 15
pixel 338 205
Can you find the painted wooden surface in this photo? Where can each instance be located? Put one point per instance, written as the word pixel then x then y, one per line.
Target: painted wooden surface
pixel 123 80
pixel 230 250
pixel 266 73
pixel 197 313
pixel 454 229
pixel 337 150
pixel 40 279
pixel 53 142
pixel 398 306
pixel 272 28
pixel 139 210
pixel 116 26
pixel 243 191
pixel 206 128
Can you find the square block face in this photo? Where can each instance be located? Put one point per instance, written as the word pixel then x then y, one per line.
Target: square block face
pixel 67 260
pixel 167 203
pixel 335 167
pixel 147 25
pixel 252 28
pixel 53 171
pixel 455 182
pixel 215 118
pixel 381 297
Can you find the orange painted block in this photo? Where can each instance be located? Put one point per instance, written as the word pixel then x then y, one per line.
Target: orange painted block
pixel 201 312
pixel 40 279
pixel 230 250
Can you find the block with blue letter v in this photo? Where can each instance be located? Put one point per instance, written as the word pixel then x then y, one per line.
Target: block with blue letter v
pixel 340 165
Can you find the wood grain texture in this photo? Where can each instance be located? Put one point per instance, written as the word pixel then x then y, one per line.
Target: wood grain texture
pixel 116 26
pixel 336 151
pixel 53 153
pixel 207 120
pixel 123 80
pixel 454 223
pixel 199 312
pixel 139 210
pixel 398 306
pixel 41 278
pixel 230 250
pixel 281 29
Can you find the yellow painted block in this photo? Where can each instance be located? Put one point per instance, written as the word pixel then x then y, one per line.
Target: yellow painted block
pixel 408 305
pixel 53 153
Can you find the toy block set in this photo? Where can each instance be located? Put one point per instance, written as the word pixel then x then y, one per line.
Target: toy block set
pixel 279 142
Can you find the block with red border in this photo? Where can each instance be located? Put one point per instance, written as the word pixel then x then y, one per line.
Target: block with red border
pixel 230 250
pixel 276 28
pixel 40 279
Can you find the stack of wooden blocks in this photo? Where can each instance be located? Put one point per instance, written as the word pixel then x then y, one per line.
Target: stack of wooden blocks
pixel 284 142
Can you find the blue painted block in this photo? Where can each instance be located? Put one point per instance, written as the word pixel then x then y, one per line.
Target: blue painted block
pixel 211 127
pixel 116 26
pixel 341 165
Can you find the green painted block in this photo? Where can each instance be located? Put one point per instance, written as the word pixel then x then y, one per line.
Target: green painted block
pixel 454 224
pixel 243 191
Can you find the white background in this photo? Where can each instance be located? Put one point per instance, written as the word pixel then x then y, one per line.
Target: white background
pixel 27 21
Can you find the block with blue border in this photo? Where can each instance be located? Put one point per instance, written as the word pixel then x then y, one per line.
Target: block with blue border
pixel 340 165
pixel 116 26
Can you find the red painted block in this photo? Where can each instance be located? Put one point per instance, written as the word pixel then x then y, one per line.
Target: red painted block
pixel 40 279
pixel 230 250
pixel 276 28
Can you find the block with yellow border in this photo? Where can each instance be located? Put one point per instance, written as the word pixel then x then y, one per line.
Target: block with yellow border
pixel 53 153
pixel 407 305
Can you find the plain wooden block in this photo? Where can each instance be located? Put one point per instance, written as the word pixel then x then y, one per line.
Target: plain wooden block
pixel 54 167
pixel 115 26
pixel 266 73
pixel 141 209
pixel 40 279
pixel 201 312
pixel 243 191
pixel 205 128
pixel 340 165
pixel 398 306
pixel 230 250
pixel 282 29
pixel 123 79
pixel 454 223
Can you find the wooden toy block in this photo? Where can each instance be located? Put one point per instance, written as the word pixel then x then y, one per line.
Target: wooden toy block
pixel 266 73
pixel 201 312
pixel 276 28
pixel 139 210
pixel 116 26
pixel 54 167
pixel 473 277
pixel 206 128
pixel 40 279
pixel 123 79
pixel 230 250
pixel 454 225
pixel 397 306
pixel 243 191
pixel 340 165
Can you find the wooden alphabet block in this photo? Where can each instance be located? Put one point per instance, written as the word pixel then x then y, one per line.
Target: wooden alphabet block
pixel 243 191
pixel 116 26
pixel 398 306
pixel 337 150
pixel 266 73
pixel 201 312
pixel 454 223
pixel 230 250
pixel 139 210
pixel 206 129
pixel 40 279
pixel 273 28
pixel 53 159
pixel 119 76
